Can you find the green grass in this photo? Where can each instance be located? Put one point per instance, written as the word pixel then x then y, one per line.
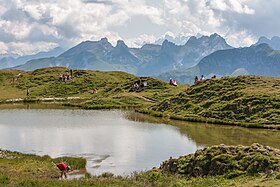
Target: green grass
pixel 230 161
pixel 113 88
pixel 18 165
pixel 248 101
pixel 18 169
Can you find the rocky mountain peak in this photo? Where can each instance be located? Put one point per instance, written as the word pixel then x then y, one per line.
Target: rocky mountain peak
pixel 167 45
pixel 215 35
pixel 105 43
pixel 263 39
pixel 191 40
pixel 120 43
pixel 214 40
pixel 105 40
pixel 274 42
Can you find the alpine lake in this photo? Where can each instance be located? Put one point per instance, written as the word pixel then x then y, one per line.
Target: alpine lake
pixel 115 141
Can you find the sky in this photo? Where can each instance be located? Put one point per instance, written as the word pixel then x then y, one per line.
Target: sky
pixel 30 26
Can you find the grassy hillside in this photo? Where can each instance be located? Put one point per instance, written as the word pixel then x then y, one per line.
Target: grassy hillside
pixel 113 88
pixel 14 165
pixel 231 161
pixel 242 99
pixel 18 169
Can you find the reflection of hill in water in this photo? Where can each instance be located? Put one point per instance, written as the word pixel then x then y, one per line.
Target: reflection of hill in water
pixel 208 134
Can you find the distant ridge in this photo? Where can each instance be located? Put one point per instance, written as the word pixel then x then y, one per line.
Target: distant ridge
pixel 274 42
pixel 259 60
pixel 8 61
pixel 150 59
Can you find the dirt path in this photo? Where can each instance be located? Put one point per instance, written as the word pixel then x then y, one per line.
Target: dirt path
pixel 139 96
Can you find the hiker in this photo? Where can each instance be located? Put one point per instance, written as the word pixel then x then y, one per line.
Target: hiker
pixel 135 87
pixel 195 79
pixel 27 92
pixel 94 91
pixel 63 168
pixel 140 87
pixel 171 81
pixel 202 78
pixel 71 72
pixel 64 78
pixel 60 78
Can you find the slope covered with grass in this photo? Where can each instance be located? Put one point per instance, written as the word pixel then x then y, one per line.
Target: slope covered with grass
pixel 15 165
pixel 242 99
pixel 113 88
pixel 231 161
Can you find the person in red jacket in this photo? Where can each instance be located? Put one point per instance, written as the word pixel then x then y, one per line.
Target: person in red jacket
pixel 63 168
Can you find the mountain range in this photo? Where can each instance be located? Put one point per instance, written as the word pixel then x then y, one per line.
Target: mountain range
pixel 205 55
pixel 150 59
pixel 10 61
pixel 259 60
pixel 274 42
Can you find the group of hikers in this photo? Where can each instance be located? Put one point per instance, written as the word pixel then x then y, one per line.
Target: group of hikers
pixel 202 78
pixel 138 86
pixel 66 76
pixel 196 80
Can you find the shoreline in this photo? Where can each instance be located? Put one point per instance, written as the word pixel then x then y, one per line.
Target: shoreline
pixel 137 108
pixel 219 165
pixel 210 120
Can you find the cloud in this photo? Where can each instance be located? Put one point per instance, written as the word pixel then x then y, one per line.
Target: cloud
pixel 3 48
pixel 240 39
pixel 231 6
pixel 108 2
pixel 141 40
pixel 68 22
pixel 22 48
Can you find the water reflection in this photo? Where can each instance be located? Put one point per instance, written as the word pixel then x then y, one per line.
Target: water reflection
pixel 108 140
pixel 208 134
pixel 114 141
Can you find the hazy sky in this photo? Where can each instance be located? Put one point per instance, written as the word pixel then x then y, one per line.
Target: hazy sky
pixel 28 26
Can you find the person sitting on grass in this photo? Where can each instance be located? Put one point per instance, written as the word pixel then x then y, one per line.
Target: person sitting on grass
pixel 63 168
pixel 172 82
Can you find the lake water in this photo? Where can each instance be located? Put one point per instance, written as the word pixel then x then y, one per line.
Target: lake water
pixel 114 141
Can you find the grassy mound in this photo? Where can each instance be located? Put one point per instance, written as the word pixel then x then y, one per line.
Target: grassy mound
pixel 231 161
pixel 113 88
pixel 18 165
pixel 226 160
pixel 242 99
